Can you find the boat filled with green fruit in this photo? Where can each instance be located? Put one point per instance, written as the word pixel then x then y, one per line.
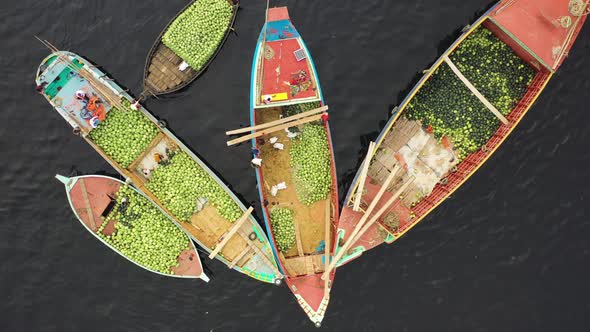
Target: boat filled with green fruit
pixel 143 150
pixel 188 44
pixel 297 176
pixel 126 221
pixel 456 116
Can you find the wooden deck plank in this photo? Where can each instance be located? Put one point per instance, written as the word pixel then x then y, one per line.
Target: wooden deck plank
pixel 87 203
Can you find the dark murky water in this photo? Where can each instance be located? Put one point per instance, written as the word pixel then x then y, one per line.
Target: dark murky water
pixel 508 252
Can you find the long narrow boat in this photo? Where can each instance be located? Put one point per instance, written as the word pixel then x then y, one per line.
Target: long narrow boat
pixel 297 181
pixel 144 151
pixel 97 201
pixel 497 68
pixel 165 69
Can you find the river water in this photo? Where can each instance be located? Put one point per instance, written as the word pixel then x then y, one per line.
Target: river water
pixel 509 251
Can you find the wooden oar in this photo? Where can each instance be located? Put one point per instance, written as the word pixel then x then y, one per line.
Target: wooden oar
pixel 274 129
pixel 376 216
pixel 361 222
pixel 226 237
pixel 363 176
pixel 278 122
pixel 372 221
pixel 327 245
pixel 474 90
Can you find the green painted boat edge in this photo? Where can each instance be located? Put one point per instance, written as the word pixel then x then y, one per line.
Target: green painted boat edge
pixel 69 184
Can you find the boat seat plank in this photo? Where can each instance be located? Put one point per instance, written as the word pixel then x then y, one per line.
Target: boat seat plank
pixel 230 233
pixel 476 92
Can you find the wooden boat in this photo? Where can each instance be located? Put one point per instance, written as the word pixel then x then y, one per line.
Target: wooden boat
pixel 162 73
pixel 283 77
pixel 541 34
pixel 92 198
pixel 241 244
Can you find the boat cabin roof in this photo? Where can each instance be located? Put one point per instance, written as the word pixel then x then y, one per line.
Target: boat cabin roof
pixel 285 72
pixel 537 25
pixel 61 81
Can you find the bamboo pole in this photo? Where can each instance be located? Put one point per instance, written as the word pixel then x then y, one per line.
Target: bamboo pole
pixel 361 222
pixel 274 129
pixel 359 190
pixel 227 236
pixel 570 34
pixel 327 235
pixel 93 81
pixel 474 90
pixel 372 221
pixel 278 122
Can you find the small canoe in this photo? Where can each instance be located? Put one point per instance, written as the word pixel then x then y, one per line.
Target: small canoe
pixel 457 116
pixel 144 151
pixel 297 180
pixel 168 67
pixel 96 202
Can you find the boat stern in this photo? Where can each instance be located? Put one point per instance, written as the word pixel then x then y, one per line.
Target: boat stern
pixel 68 182
pixel 312 294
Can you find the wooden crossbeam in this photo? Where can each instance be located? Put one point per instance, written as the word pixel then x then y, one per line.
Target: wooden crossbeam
pixel 230 233
pixel 278 122
pixel 359 191
pixel 261 253
pixel 361 222
pixel 374 219
pixel 240 256
pixel 274 129
pixel 474 90
pixel 87 203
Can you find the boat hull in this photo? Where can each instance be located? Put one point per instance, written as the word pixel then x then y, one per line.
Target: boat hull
pixel 170 84
pixel 102 190
pixel 311 292
pixel 379 232
pixel 260 265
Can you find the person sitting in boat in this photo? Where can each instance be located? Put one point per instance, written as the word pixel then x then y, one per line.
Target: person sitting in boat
pixel 158 157
pixel 147 172
pixel 124 204
pixel 81 95
pixel 96 106
pixel 135 105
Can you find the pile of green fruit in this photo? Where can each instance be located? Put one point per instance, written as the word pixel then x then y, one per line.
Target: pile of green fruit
pixel 124 135
pixel 291 110
pixel 283 228
pixel 181 181
pixel 196 34
pixel 144 234
pixel 310 161
pixel 493 68
pixel 446 106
